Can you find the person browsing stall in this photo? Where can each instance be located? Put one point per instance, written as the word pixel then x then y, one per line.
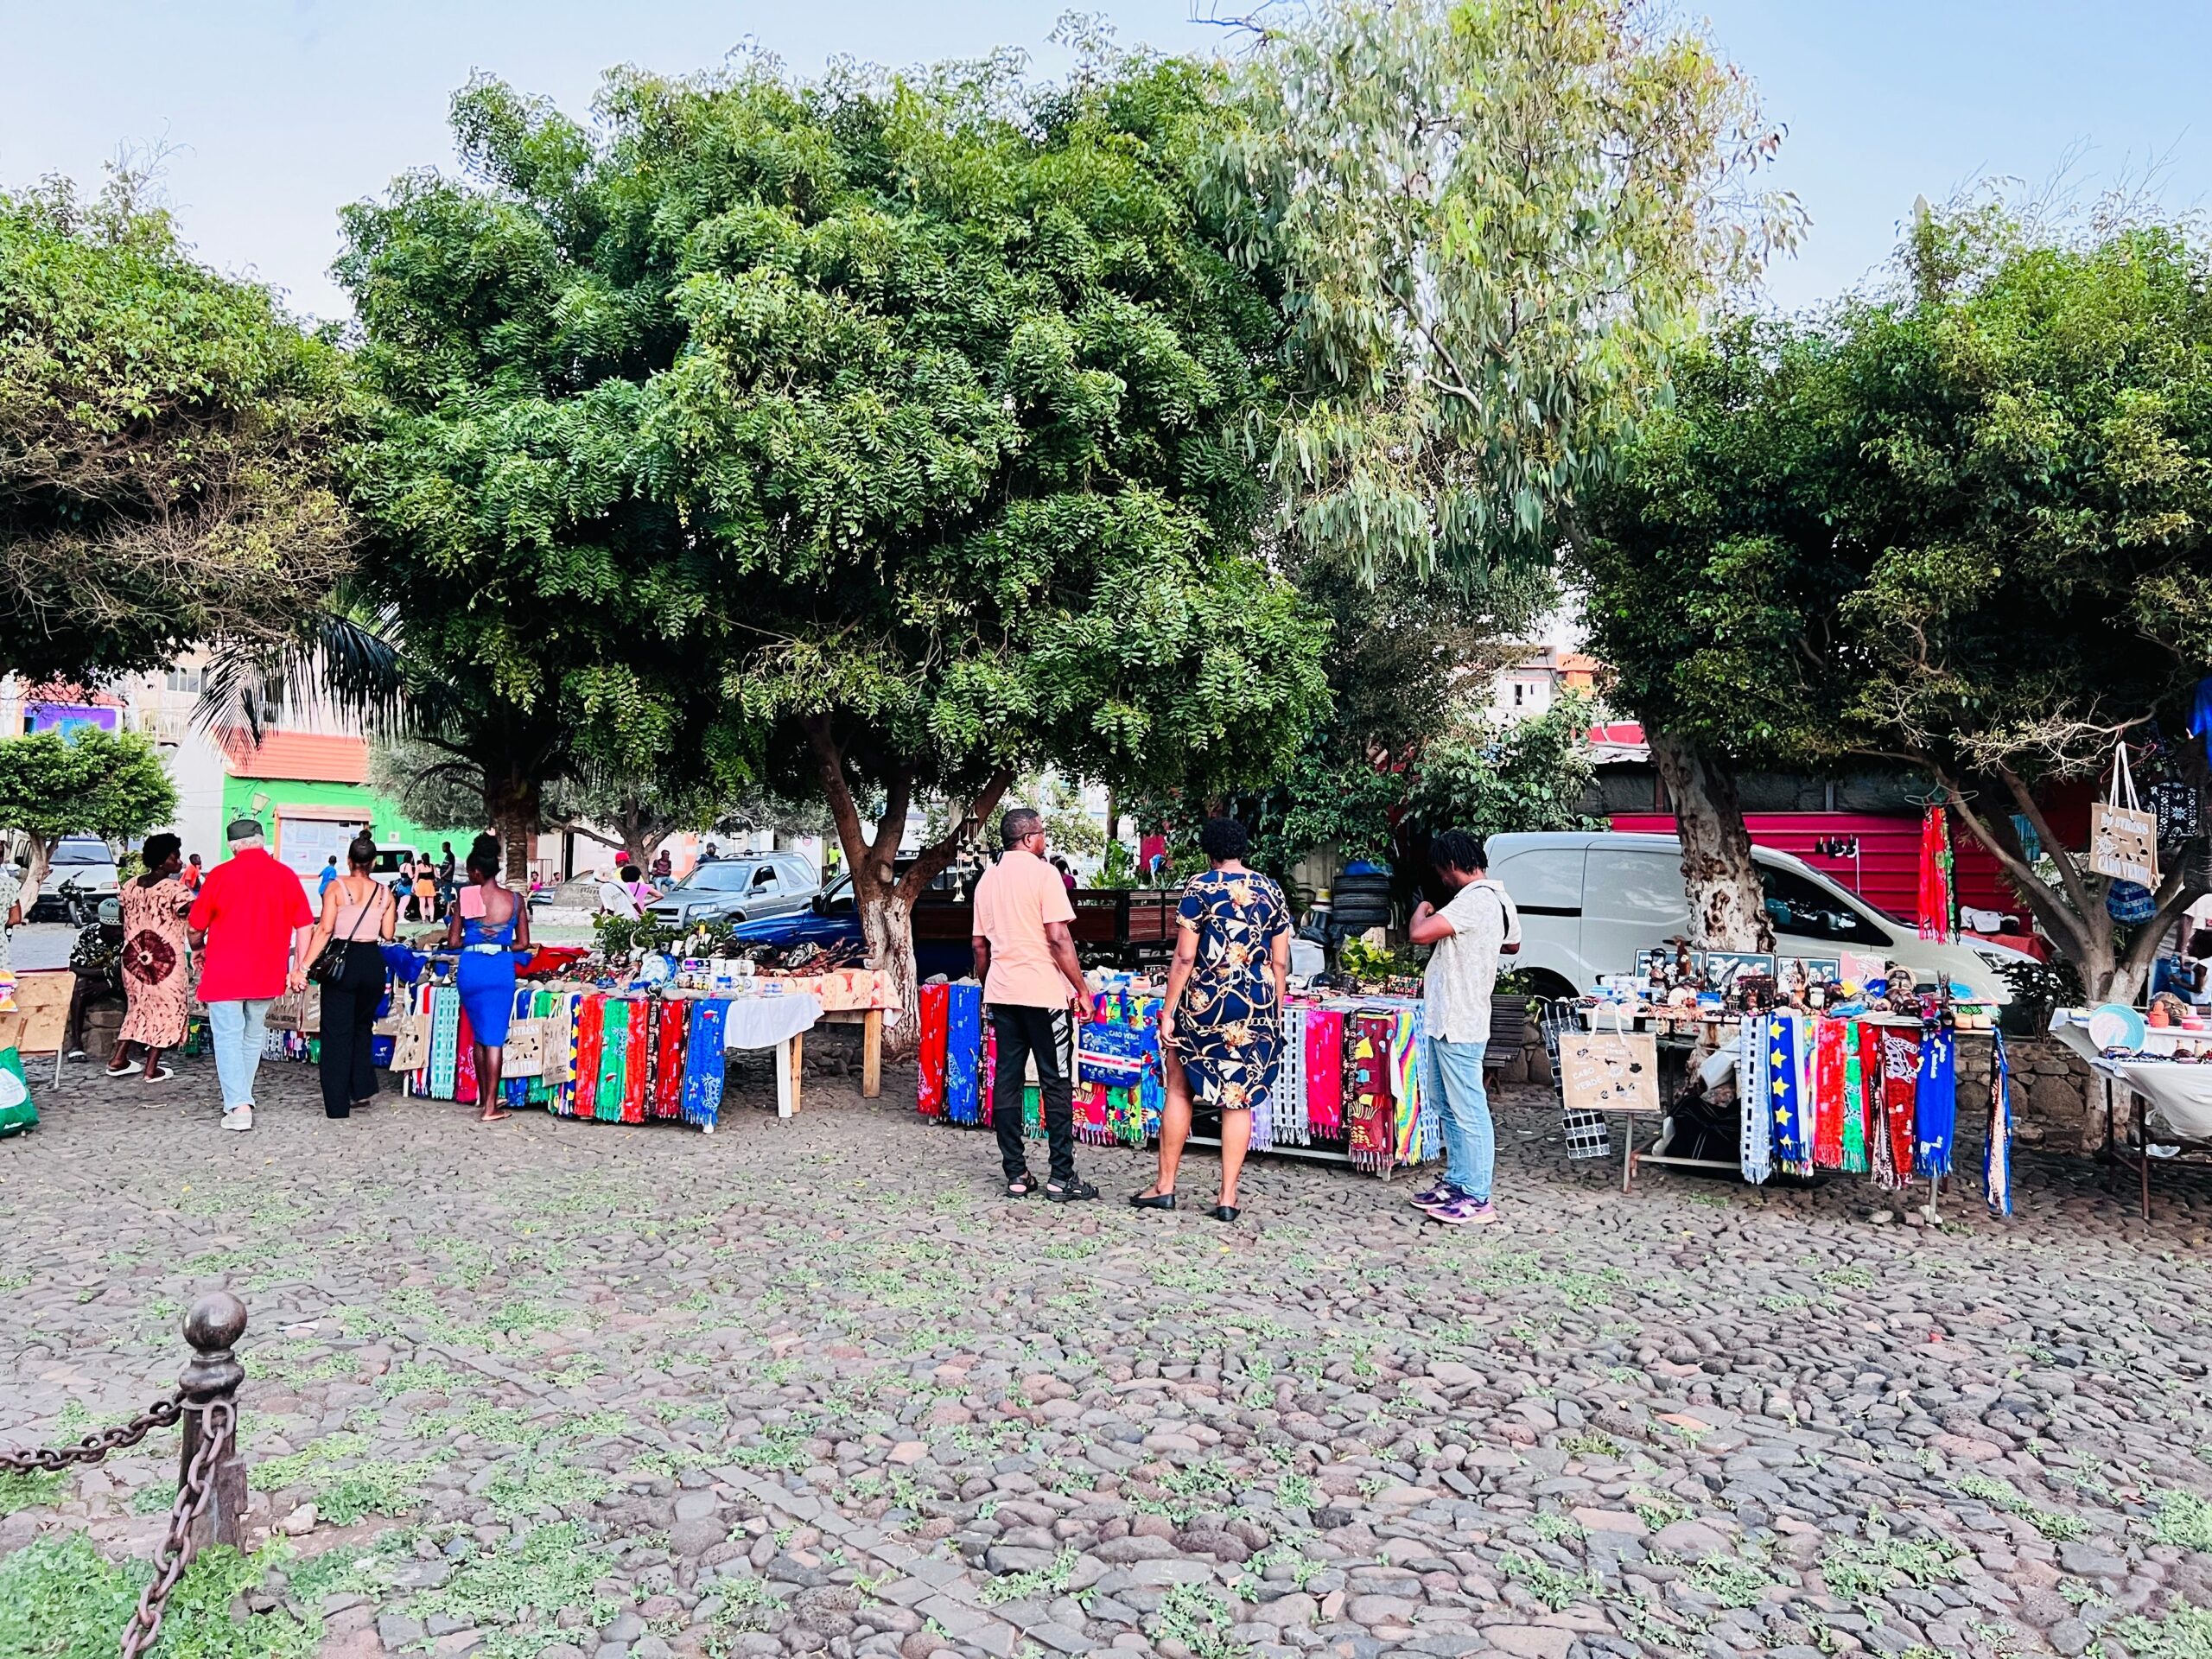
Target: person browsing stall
pixel 1477 925
pixel 358 911
pixel 245 920
pixel 1033 984
pixel 489 927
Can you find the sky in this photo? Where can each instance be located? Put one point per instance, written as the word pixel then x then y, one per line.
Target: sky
pixel 273 113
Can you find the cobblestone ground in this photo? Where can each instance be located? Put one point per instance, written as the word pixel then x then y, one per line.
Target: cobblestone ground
pixel 566 1389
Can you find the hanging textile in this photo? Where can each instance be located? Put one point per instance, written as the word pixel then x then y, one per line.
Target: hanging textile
pixel 1755 1111
pixel 963 1052
pixel 1900 1076
pixel 704 1061
pixel 1935 1101
pixel 1938 889
pixel 1997 1151
pixel 464 1075
pixel 445 1042
pixel 614 1046
pixel 1152 1094
pixel 988 1084
pixel 929 1087
pixel 591 1039
pixel 514 1091
pixel 1091 1126
pixel 1287 1110
pixel 1125 1116
pixel 1855 1097
pixel 1324 1073
pixel 1369 1107
pixel 1792 1145
pixel 637 1061
pixel 2199 715
pixel 671 1043
pixel 1832 1046
pixel 1405 1085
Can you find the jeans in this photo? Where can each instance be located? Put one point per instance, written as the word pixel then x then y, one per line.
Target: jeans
pixel 235 1029
pixel 1023 1032
pixel 349 1010
pixel 1454 1071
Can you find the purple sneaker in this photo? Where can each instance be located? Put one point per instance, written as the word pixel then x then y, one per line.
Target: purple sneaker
pixel 1442 1193
pixel 1464 1212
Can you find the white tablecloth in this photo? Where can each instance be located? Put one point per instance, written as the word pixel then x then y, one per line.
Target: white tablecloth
pixel 2178 1095
pixel 764 1021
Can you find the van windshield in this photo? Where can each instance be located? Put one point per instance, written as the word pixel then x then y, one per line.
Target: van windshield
pixel 1796 905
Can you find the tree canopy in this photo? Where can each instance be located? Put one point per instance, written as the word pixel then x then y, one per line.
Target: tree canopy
pixel 82 782
pixel 166 445
pixel 1497 222
pixel 1964 524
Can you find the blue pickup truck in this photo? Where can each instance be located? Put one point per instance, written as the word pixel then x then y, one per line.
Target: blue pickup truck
pixel 831 920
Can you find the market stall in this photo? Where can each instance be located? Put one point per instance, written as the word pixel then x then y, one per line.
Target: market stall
pixel 1348 1092
pixel 2165 1073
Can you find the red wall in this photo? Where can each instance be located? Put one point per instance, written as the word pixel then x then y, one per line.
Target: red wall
pixel 1887 875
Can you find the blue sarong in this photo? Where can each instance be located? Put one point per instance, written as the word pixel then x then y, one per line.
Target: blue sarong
pixel 703 1060
pixel 1936 1104
pixel 963 1053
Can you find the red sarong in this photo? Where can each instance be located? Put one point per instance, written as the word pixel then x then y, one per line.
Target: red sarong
pixel 929 1087
pixel 1827 1094
pixel 671 1037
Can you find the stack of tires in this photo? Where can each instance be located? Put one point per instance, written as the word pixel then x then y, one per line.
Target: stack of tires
pixel 1361 900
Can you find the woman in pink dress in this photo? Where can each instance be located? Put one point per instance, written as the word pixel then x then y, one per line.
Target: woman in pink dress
pixel 156 983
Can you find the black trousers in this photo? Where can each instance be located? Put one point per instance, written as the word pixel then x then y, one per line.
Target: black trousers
pixel 1043 1032
pixel 349 1013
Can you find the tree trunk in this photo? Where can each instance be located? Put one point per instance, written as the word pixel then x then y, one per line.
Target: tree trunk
pixel 516 810
pixel 888 925
pixel 1728 900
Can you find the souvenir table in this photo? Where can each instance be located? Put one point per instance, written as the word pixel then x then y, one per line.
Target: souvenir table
pixel 1348 1089
pixel 2170 1096
pixel 1873 1094
pixel 632 1055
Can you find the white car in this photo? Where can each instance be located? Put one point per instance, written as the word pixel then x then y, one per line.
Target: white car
pixel 1589 902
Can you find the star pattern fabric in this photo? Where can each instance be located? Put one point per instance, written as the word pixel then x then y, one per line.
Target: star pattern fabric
pixel 1786 1095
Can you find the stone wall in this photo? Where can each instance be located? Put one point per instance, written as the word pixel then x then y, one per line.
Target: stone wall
pixel 2056 1104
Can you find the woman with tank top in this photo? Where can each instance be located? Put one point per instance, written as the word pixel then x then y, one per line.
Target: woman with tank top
pixel 488 926
pixel 359 911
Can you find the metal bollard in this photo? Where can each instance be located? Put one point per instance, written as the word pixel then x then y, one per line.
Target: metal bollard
pixel 211 1379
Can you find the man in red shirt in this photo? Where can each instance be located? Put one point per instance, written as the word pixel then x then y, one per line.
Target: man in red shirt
pixel 246 924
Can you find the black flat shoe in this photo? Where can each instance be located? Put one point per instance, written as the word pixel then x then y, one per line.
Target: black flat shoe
pixel 1223 1212
pixel 1152 1201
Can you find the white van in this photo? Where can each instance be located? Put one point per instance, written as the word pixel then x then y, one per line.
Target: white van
pixel 1589 902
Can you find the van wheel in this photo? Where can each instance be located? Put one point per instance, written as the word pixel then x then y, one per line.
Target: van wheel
pixel 1545 983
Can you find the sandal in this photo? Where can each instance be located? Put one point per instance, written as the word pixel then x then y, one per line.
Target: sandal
pixel 123 1070
pixel 1021 1185
pixel 159 1074
pixel 1074 1193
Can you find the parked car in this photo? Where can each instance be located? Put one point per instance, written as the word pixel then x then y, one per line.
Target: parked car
pixel 390 857
pixel 1589 902
pixel 83 873
pixel 739 890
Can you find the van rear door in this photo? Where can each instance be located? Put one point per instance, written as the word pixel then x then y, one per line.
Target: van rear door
pixel 1545 883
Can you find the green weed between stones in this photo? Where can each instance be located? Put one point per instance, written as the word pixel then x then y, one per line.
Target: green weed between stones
pixel 2001 1493
pixel 61 1598
pixel 1556 1588
pixel 1862 1572
pixel 1199 1619
pixel 1021 1587
pixel 2184 1633
pixel 2184 1519
pixel 343 1496
pixel 519 1587
pixel 34 1491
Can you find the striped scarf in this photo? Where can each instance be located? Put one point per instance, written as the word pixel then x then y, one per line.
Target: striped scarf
pixel 1996 1153
pixel 1754 1079
pixel 1287 1112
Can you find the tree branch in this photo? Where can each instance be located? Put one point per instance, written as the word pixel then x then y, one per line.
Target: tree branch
pixel 830 762
pixel 938 854
pixel 2069 873
pixel 2034 891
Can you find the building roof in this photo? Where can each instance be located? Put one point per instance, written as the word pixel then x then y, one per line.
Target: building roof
pixel 299 757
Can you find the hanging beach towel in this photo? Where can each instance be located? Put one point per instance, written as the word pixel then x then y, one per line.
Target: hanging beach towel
pixel 1939 898
pixel 704 1061
pixel 1900 1093
pixel 1324 1073
pixel 2123 837
pixel 1793 1146
pixel 1936 1103
pixel 1286 1110
pixel 963 1052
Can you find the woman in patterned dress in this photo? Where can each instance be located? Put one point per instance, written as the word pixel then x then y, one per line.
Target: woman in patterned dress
pixel 1221 1021
pixel 157 985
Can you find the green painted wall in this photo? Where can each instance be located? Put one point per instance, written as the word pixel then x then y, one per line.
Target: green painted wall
pixel 386 822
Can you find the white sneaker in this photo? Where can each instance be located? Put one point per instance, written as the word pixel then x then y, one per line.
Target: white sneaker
pixel 241 1118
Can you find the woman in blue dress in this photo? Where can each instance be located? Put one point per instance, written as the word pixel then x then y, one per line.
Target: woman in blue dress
pixel 1221 1019
pixel 489 927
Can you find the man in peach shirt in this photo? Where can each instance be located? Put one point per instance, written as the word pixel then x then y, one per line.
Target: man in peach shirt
pixel 1025 958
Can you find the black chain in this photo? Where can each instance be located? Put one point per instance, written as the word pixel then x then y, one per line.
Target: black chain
pixel 218 1424
pixel 45 1460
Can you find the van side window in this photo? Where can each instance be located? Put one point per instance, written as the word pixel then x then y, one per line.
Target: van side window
pixel 1796 905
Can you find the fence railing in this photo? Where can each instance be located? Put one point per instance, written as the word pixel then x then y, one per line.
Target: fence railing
pixel 210 1503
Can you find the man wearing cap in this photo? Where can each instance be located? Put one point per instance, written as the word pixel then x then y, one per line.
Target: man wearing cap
pixel 246 923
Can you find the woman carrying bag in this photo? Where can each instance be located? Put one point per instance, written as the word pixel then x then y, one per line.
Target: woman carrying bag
pixel 358 912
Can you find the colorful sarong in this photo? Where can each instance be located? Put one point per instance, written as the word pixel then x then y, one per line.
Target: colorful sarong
pixel 445 1042
pixel 1936 1103
pixel 1997 1152
pixel 464 1075
pixel 637 1061
pixel 1900 1069
pixel 990 1081
pixel 1286 1112
pixel 929 1086
pixel 1754 1078
pixel 963 1052
pixel 704 1061
pixel 1792 1144
pixel 1324 1073
pixel 614 1042
pixel 1856 1058
pixel 1370 1107
pixel 1831 1061
pixel 591 1037
pixel 671 1043
pixel 1418 1124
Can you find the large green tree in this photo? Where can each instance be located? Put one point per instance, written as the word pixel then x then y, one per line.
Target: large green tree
pixel 958 422
pixel 1965 525
pixel 1496 222
pixel 166 445
pixel 86 783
